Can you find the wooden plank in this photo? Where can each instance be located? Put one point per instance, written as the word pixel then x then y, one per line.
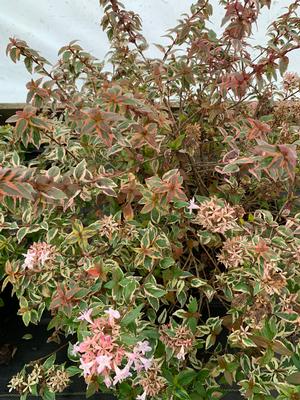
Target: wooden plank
pixel 9 109
pixel 12 106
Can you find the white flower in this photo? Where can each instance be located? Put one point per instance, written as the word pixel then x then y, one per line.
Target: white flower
pixel 112 315
pixel 107 381
pixel 37 255
pixel 86 367
pixel 75 349
pixel 147 362
pixel 192 206
pixel 86 316
pixel 121 374
pixel 142 347
pixel 141 396
pixel 103 362
pixel 181 354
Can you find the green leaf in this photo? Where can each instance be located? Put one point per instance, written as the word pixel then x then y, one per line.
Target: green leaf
pixel 291 317
pixel 49 362
pixel 54 172
pixel 154 303
pixel 28 336
pixel 26 317
pixel 193 305
pixel 48 395
pixel 167 262
pixel 181 394
pixel 296 361
pixel 212 35
pixel 202 375
pixel 269 331
pixel 91 389
pixel 154 291
pixel 132 315
pixel 185 377
pixel 196 282
pixel 80 170
pixel 51 234
pixel 17 189
pixel 39 123
pixel 210 341
pixel 177 143
pixel 22 233
pixel 242 287
pixel 231 168
pixel 125 390
pixel 73 370
pixel 21 127
pixel 15 159
pixel 81 293
pixel 55 193
pixel 283 65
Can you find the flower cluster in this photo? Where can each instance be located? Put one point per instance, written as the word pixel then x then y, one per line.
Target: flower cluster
pixel 152 382
pixel 108 226
pixel 56 379
pixel 102 354
pixel 259 310
pixel 217 215
pixel 287 111
pixel 38 255
pixel 290 303
pixel 104 197
pixel 273 280
pixel 180 339
pixel 128 231
pixel 233 252
pixel 291 81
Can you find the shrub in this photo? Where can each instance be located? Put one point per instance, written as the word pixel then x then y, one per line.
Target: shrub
pixel 153 209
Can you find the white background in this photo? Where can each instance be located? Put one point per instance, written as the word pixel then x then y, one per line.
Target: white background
pixel 47 25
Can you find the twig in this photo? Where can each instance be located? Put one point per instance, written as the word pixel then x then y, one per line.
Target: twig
pixel 60 144
pixel 50 354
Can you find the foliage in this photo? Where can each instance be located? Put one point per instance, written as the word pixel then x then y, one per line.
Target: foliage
pixel 135 200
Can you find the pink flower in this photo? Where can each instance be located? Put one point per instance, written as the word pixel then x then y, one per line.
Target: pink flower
pixel 112 315
pixel 86 367
pixel 141 396
pixel 121 374
pixel 86 316
pixel 105 341
pixel 103 362
pixel 192 205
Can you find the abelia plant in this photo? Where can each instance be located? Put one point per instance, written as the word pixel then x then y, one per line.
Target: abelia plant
pixel 153 209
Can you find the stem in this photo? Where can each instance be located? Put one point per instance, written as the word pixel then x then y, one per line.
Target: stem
pixel 60 144
pixel 50 354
